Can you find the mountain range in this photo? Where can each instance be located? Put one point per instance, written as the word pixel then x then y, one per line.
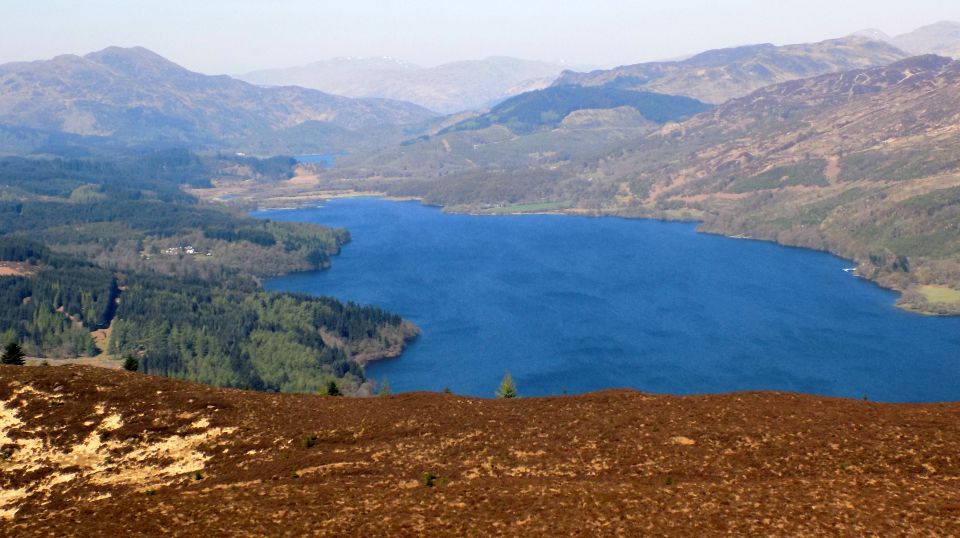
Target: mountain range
pixel 941 38
pixel 500 139
pixel 447 88
pixel 134 96
pixel 718 75
pixel 532 129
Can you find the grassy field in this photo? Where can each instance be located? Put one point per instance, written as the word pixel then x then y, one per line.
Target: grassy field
pixel 684 214
pixel 940 294
pixel 526 208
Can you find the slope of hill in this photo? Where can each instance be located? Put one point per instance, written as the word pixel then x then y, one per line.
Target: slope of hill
pixel 510 142
pixel 446 88
pixel 547 108
pixel 718 75
pixel 135 96
pixel 474 168
pixel 861 163
pixel 91 451
pixel 941 38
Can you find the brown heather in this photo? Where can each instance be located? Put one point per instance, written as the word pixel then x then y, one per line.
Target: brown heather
pixel 98 452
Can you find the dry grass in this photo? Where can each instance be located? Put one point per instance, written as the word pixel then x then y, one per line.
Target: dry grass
pixel 940 295
pixel 17 269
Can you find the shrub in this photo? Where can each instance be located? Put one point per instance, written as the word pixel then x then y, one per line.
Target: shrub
pixel 431 479
pixel 507 388
pixel 131 364
pixel 384 387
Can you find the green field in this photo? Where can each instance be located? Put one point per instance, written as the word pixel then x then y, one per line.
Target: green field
pixel 940 294
pixel 527 208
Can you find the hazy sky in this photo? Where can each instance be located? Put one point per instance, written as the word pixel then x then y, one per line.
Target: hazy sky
pixel 234 36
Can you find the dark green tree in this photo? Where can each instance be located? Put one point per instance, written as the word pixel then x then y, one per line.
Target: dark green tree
pixel 131 364
pixel 333 389
pixel 12 354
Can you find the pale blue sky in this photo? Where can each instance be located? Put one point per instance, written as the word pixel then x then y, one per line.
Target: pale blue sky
pixel 233 36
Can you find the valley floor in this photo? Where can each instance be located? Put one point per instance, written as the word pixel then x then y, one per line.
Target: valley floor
pixel 91 451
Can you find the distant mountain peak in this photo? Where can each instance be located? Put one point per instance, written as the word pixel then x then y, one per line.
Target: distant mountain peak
pixel 358 60
pixel 716 57
pixel 135 61
pixel 116 53
pixel 873 33
pixel 449 88
pixel 942 25
pixel 941 38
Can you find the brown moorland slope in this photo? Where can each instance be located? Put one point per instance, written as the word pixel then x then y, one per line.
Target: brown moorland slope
pixel 89 451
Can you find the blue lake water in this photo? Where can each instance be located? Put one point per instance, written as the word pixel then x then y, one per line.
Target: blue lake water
pixel 327 160
pixel 569 304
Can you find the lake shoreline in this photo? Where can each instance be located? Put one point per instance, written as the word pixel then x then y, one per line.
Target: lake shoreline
pixel 909 299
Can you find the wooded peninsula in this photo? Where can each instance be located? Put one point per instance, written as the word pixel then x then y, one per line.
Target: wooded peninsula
pixel 108 256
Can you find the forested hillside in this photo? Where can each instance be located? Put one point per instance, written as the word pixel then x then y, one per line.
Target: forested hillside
pixel 52 302
pixel 547 108
pixel 115 246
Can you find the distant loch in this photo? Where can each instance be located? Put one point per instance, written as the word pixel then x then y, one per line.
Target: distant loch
pixel 571 305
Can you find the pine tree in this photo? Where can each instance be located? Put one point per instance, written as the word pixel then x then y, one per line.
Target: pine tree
pixel 333 389
pixel 13 354
pixel 507 388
